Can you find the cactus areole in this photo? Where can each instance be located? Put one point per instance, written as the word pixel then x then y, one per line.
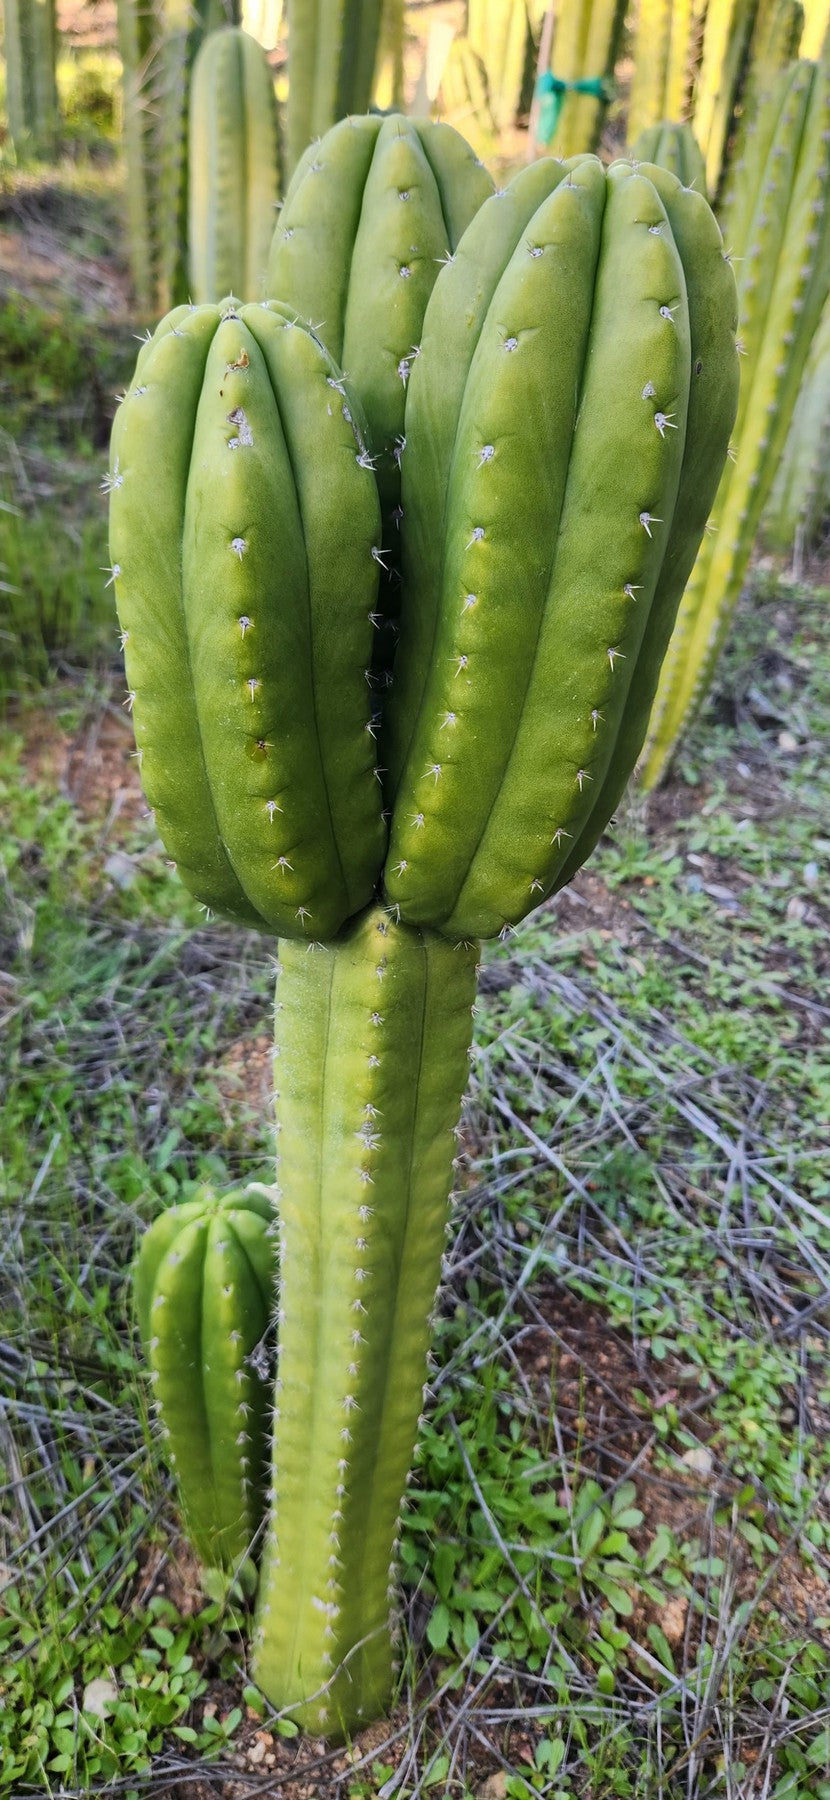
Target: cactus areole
pixel 568 404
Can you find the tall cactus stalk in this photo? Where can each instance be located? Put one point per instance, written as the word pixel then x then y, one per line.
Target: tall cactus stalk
pixel 726 34
pixel 799 502
pixel 777 224
pixel 233 164
pixel 29 49
pixel 372 1036
pixel 498 32
pixel 585 44
pixel 552 504
pixel 665 41
pixel 332 53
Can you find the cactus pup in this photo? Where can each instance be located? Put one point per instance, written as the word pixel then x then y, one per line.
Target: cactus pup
pixel 776 221
pixel 204 1291
pixel 553 499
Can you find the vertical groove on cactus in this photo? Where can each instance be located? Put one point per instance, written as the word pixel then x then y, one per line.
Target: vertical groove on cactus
pixel 204 1289
pixel 372 1038
pixel 776 221
pixel 234 167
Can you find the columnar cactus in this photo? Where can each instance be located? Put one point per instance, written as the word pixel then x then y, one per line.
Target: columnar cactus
pixel 332 53
pixel 777 223
pixel 815 38
pixel 585 44
pixel 522 593
pixel 799 502
pixel 499 31
pixel 567 414
pixel 234 167
pixel 673 147
pixel 29 49
pixel 204 1291
pixel 664 50
pixel 370 215
pixel 373 1034
pixel 726 35
pixel 226 590
pixel 464 99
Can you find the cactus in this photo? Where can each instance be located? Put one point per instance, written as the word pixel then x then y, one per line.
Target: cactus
pixel 664 49
pixel 726 35
pixel 204 1291
pixel 493 807
pixel 773 44
pixel 585 43
pixel 673 147
pixel 373 1034
pixel 29 48
pixel 263 19
pixel 799 502
pixel 225 608
pixel 368 218
pixel 776 221
pixel 498 31
pixel 233 164
pixel 388 91
pixel 465 98
pixel 332 52
pixel 552 505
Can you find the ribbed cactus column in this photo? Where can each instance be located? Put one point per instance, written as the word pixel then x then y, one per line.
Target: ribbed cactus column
pixel 585 42
pixel 776 220
pixel 664 47
pixel 567 421
pixel 800 498
pixel 371 214
pixel 332 52
pixel 29 48
pixel 243 518
pixel 372 1035
pixel 726 35
pixel 233 164
pixel 204 1293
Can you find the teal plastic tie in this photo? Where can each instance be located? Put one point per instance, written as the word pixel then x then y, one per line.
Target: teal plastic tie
pixel 551 92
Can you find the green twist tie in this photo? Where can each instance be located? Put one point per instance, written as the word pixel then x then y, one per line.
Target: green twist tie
pixel 551 91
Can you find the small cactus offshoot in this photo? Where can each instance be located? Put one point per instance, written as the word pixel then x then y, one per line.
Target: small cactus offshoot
pixel 233 164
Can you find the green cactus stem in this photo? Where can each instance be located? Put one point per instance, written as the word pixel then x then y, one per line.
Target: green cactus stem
pixel 672 147
pixel 776 221
pixel 465 96
pixel 726 34
pixel 234 167
pixel 332 53
pixel 799 502
pixel 498 31
pixel 534 619
pixel 372 1036
pixel 369 217
pixel 664 50
pixel 29 49
pixel 585 44
pixel 265 527
pixel 204 1289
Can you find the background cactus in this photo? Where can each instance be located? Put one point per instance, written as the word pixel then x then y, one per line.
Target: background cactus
pixel 585 43
pixel 673 147
pixel 371 213
pixel 726 34
pixel 226 605
pixel 332 53
pixel 29 50
pixel 499 32
pixel 233 167
pixel 799 502
pixel 777 224
pixel 542 559
pixel 664 49
pixel 204 1292
pixel 465 96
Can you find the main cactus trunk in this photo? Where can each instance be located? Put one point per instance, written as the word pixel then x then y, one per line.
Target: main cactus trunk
pixel 372 1035
pixel 234 178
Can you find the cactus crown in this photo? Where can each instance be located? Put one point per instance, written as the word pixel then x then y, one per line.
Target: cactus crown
pixel 567 414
